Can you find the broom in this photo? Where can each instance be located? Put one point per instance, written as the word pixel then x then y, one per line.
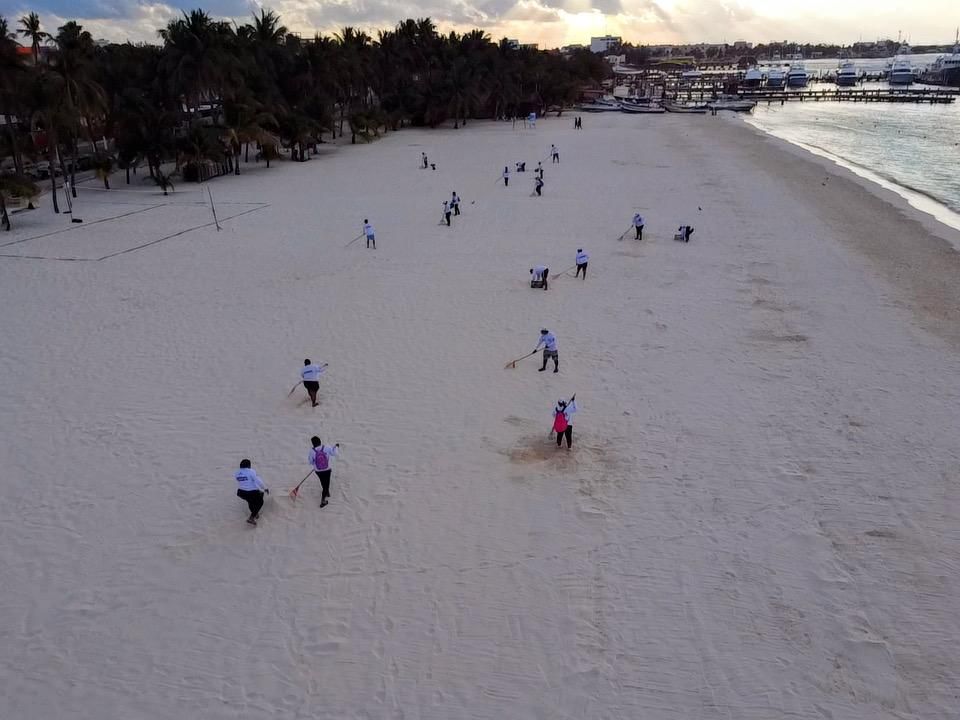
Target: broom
pixel 295 493
pixel 513 363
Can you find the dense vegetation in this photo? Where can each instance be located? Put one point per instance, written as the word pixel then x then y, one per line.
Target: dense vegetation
pixel 209 89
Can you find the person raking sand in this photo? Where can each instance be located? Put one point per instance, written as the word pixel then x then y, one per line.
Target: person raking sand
pixel 310 377
pixel 320 459
pixel 563 420
pixel 549 343
pixel 251 489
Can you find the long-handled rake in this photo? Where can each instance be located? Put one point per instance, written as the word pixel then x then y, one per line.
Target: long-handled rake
pixel 293 388
pixel 295 493
pixel 354 240
pixel 513 363
pixel 563 272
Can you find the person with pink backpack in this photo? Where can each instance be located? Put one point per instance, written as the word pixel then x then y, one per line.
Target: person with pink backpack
pixel 563 420
pixel 321 457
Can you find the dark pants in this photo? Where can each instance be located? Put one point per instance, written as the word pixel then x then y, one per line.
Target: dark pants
pixel 324 476
pixel 456 209
pixel 254 500
pixel 687 234
pixel 506 181
pixel 311 387
pixel 639 229
pixel 581 268
pixel 539 187
pixel 446 216
pixel 568 434
pixel 547 354
pixel 556 158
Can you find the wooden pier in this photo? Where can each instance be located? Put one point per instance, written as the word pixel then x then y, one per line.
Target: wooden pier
pixel 890 95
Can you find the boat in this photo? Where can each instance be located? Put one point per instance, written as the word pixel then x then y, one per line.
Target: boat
pixel 636 100
pixel 847 75
pixel 684 108
pixel 752 78
pixel 775 78
pixel 797 75
pixel 901 71
pixel 732 103
pixel 637 109
pixel 691 74
pixel 597 107
pixel 945 70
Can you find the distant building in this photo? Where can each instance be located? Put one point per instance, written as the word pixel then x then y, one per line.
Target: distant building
pixel 529 46
pixel 570 49
pixel 615 59
pixel 742 45
pixel 605 43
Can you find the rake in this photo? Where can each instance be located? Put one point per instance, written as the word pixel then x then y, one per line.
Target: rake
pixel 513 363
pixel 295 493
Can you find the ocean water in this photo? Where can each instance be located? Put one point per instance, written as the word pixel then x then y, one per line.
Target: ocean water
pixel 911 149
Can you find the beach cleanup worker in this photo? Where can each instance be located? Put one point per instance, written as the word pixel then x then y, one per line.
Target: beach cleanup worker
pixel 549 342
pixel 424 156
pixel 446 212
pixel 562 420
pixel 310 376
pixel 321 458
pixel 368 231
pixel 554 154
pixel 685 232
pixel 521 167
pixel 538 276
pixel 455 202
pixel 251 489
pixel 506 176
pixel 582 259
pixel 638 225
pixel 538 185
pixel 539 170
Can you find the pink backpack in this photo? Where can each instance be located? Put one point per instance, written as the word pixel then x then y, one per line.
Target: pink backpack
pixel 320 460
pixel 559 422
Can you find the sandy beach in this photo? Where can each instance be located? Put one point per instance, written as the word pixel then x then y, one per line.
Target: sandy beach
pixel 758 520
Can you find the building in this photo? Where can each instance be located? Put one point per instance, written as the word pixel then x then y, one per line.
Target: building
pixel 570 49
pixel 605 43
pixel 615 60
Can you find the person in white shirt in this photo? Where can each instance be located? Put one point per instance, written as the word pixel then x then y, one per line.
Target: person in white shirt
pixel 539 275
pixel 582 259
pixel 423 158
pixel 554 154
pixel 446 212
pixel 539 170
pixel 686 231
pixel 320 459
pixel 368 232
pixel 251 489
pixel 549 342
pixel 506 176
pixel 538 185
pixel 563 420
pixel 455 203
pixel 638 225
pixel 310 377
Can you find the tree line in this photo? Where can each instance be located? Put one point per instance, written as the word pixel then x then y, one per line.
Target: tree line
pixel 210 89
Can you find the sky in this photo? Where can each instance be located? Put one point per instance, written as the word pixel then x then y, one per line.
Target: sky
pixel 551 23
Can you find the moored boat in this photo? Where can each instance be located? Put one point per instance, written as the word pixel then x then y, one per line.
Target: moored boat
pixel 675 107
pixel 732 103
pixel 797 75
pixel 945 70
pixel 752 78
pixel 901 71
pixel 637 109
pixel 847 74
pixel 775 78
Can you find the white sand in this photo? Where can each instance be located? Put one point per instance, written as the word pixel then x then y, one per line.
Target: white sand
pixel 759 518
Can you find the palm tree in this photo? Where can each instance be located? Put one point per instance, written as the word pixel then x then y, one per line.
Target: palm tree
pixel 45 97
pixel 31 29
pixel 11 73
pixel 86 100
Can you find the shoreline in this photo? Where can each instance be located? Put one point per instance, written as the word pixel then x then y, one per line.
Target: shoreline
pixel 917 199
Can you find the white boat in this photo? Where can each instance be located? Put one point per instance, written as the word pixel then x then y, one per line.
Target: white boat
pixel 684 108
pixel 594 107
pixel 797 75
pixel 732 103
pixel 637 109
pixel 775 78
pixel 691 75
pixel 901 70
pixel 752 78
pixel 847 75
pixel 945 70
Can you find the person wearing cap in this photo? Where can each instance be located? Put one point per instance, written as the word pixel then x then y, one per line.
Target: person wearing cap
pixel 251 489
pixel 582 259
pixel 563 420
pixel 538 276
pixel 549 342
pixel 638 225
pixel 310 376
